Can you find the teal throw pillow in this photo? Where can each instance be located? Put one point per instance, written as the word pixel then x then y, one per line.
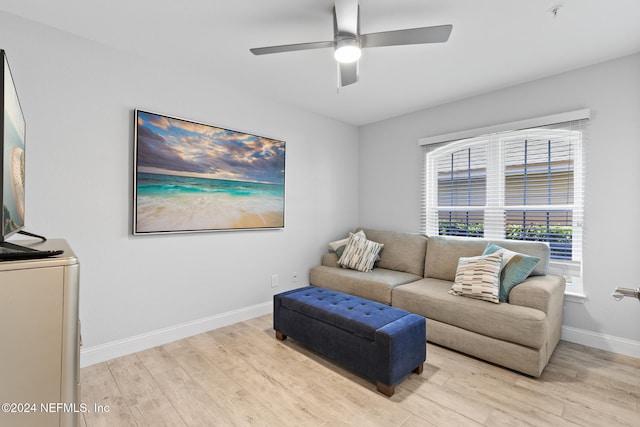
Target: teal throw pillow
pixel 516 267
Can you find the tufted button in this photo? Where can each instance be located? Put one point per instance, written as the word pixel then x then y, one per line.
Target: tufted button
pixel 367 314
pixel 350 308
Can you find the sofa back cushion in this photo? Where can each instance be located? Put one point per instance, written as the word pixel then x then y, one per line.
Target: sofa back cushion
pixel 443 253
pixel 402 251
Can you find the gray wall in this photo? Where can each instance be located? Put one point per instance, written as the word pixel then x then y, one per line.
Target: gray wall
pixel 390 162
pixel 78 98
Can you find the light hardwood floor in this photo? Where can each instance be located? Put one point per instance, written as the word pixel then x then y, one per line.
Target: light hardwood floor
pixel 241 375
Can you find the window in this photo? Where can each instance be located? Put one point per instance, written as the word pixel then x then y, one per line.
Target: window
pixel 525 185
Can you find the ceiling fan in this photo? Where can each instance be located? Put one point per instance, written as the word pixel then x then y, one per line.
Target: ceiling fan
pixel 348 42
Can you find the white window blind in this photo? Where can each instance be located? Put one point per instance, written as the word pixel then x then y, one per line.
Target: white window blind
pixel 525 184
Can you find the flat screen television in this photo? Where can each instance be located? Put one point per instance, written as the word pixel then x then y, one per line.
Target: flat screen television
pixel 12 132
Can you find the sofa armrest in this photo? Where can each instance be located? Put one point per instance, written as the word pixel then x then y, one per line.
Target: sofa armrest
pixel 330 259
pixel 545 293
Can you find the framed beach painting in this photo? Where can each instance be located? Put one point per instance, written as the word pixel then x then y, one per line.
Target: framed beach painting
pixel 194 177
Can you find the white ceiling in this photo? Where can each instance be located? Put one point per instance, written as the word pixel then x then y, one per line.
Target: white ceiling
pixel 494 44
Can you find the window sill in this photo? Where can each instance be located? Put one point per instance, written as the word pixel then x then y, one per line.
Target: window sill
pixel 574 297
pixel 574 292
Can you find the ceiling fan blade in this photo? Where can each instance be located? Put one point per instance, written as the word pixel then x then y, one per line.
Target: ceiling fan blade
pixel 437 34
pixel 291 47
pixel 347 73
pixel 346 16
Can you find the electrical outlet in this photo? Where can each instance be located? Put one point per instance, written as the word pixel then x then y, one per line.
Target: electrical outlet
pixel 274 280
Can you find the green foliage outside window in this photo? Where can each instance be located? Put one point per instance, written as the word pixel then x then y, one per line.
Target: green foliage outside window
pixel 559 237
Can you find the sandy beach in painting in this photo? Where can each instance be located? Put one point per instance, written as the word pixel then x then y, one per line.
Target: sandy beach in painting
pixel 171 203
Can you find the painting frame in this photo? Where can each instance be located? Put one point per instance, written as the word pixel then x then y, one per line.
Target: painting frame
pixel 193 177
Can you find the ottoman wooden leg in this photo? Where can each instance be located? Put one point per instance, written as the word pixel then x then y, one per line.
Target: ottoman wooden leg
pixel 419 369
pixel 385 389
pixel 280 336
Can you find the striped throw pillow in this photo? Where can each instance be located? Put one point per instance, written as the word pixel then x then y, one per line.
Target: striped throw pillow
pixel 339 245
pixel 478 277
pixel 360 254
pixel 334 246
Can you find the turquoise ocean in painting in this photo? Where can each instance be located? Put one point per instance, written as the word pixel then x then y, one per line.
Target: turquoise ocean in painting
pixel 183 203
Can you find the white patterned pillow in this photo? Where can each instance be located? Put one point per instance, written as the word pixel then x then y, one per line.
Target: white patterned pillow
pixel 334 246
pixel 360 254
pixel 479 277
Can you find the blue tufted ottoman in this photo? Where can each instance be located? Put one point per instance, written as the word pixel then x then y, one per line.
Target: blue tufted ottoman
pixel 380 342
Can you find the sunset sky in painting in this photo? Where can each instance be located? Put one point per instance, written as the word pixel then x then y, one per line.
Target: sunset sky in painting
pixel 172 146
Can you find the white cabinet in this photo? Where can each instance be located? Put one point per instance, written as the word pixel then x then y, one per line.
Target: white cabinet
pixel 40 339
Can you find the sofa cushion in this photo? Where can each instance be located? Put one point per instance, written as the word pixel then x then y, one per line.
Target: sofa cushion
pixel 443 252
pixel 360 253
pixel 402 251
pixel 516 267
pixel 431 298
pixel 330 259
pixel 478 277
pixel 375 285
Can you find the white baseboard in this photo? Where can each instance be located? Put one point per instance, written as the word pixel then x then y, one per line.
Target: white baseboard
pixel 103 352
pixel 610 343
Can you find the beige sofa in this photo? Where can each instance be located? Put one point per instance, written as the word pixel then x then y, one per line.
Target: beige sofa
pixel 416 272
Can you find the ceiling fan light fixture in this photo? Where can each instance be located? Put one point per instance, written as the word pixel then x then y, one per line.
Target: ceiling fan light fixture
pixel 347 50
pixel 347 40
